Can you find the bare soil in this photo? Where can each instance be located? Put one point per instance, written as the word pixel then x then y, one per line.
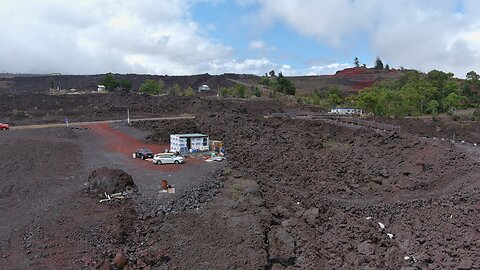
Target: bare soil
pixel 292 194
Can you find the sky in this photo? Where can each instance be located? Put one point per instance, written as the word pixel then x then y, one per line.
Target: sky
pixel 183 37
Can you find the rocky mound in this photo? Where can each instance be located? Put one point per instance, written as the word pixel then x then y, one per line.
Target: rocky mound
pixel 106 180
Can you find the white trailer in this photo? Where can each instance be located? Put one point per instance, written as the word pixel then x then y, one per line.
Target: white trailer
pixel 189 142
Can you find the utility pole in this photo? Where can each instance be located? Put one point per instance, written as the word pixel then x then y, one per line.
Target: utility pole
pixel 128 116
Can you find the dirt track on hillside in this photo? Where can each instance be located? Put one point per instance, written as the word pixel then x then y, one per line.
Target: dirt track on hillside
pixel 297 194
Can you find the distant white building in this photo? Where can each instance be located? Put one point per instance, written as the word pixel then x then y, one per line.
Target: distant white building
pixel 100 88
pixel 203 88
pixel 346 111
pixel 189 142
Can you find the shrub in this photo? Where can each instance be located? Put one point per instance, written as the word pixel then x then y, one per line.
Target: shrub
pixel 125 84
pixel 265 81
pixel 223 92
pixel 188 92
pixel 151 87
pixel 257 92
pixel 240 90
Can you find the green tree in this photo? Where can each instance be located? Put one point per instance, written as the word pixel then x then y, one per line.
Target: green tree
pixel 223 92
pixel 439 78
pixel 189 92
pixel 472 75
pixel 257 92
pixel 265 81
pixel 240 90
pixel 175 90
pixel 432 107
pixel 161 85
pixel 387 67
pixel 378 64
pixel 449 86
pixel 110 82
pixel 356 62
pixel 453 101
pixel 125 84
pixel 467 89
pixel 333 97
pixel 284 85
pixel 151 87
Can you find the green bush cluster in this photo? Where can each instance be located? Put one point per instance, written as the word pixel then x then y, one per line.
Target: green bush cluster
pixel 328 99
pixel 240 91
pixel 111 83
pixel 151 87
pixel 279 83
pixel 416 94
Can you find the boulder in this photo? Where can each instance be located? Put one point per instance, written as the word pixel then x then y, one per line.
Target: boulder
pixel 310 216
pixel 109 180
pixel 366 248
pixel 120 260
pixel 281 212
pixel 281 246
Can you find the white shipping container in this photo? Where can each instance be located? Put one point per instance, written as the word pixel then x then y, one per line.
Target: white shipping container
pixel 189 142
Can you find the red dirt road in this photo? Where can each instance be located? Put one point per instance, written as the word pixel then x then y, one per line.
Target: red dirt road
pixel 120 142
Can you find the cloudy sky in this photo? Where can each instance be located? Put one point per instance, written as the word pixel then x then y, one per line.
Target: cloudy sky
pixel 174 37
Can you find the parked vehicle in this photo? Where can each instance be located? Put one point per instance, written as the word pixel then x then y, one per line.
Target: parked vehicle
pixel 167 158
pixel 217 158
pixel 4 126
pixel 143 154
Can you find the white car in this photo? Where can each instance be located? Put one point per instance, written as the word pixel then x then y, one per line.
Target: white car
pixel 167 158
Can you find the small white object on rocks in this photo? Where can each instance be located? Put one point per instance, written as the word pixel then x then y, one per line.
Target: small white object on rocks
pixel 390 235
pixel 381 225
pixel 368 218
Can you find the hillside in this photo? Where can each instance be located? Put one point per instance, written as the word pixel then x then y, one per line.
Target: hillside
pixel 349 81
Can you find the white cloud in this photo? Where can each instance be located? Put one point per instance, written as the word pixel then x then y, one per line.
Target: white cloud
pixel 326 69
pixel 162 37
pixel 83 37
pixel 259 45
pixel 426 35
pixel 255 66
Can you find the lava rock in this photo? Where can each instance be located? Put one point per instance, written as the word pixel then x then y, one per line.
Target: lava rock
pixel 109 180
pixel 282 246
pixel 311 215
pixel 366 248
pixel 120 260
pixel 281 212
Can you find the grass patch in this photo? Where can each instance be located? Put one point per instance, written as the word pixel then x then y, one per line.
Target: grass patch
pixel 237 191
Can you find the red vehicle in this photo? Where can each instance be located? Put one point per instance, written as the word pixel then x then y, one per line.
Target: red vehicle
pixel 4 126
